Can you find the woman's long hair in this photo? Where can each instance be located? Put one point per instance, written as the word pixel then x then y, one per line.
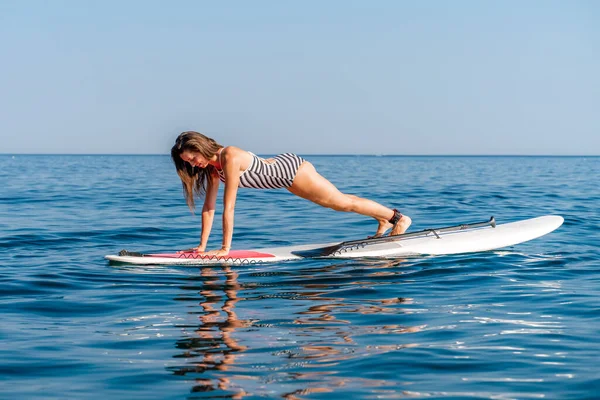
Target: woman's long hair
pixel 194 179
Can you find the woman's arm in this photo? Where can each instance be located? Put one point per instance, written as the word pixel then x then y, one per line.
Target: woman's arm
pixel 231 168
pixel 208 211
pixel 230 163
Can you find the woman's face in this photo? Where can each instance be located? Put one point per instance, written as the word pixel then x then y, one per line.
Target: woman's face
pixel 193 158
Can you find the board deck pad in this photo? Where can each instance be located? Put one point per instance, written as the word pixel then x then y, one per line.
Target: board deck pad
pixel 457 239
pixel 194 255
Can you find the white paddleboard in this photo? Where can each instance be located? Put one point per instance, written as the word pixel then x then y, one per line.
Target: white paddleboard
pixel 436 241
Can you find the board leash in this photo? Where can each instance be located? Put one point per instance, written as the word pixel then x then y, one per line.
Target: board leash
pixel 353 245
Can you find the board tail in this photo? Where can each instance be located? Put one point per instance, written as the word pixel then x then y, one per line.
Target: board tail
pixel 343 247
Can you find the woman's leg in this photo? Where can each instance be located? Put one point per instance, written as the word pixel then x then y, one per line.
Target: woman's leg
pixel 310 185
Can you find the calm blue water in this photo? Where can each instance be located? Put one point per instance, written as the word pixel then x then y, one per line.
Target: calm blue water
pixel 518 323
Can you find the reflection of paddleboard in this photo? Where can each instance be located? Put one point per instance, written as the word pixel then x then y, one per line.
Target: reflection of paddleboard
pixel 466 238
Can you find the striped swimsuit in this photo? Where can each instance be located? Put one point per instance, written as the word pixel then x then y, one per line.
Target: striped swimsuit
pixel 279 172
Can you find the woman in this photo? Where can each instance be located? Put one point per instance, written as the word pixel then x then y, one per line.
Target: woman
pixel 201 163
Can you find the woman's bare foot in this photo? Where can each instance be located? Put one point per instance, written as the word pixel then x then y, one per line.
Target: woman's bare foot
pixel 383 227
pixel 398 229
pixel 401 226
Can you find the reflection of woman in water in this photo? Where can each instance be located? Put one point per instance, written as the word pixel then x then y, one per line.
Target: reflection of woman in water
pixel 201 163
pixel 213 333
pixel 313 334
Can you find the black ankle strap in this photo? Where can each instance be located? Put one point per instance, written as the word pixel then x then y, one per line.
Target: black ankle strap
pixel 397 217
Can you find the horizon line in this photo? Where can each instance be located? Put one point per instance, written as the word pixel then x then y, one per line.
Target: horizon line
pixel 318 154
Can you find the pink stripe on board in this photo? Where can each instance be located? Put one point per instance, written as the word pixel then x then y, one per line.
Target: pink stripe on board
pixel 232 254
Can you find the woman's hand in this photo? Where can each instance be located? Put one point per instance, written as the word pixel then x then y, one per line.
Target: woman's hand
pixel 198 249
pixel 217 253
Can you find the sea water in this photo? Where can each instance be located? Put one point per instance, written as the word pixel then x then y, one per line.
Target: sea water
pixel 521 322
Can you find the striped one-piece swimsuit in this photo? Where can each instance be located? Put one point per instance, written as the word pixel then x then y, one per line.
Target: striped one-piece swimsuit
pixel 277 172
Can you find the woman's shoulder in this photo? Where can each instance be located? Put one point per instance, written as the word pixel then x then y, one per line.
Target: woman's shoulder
pixel 233 151
pixel 236 155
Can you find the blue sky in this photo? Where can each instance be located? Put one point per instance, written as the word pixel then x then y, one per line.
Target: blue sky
pixel 312 77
